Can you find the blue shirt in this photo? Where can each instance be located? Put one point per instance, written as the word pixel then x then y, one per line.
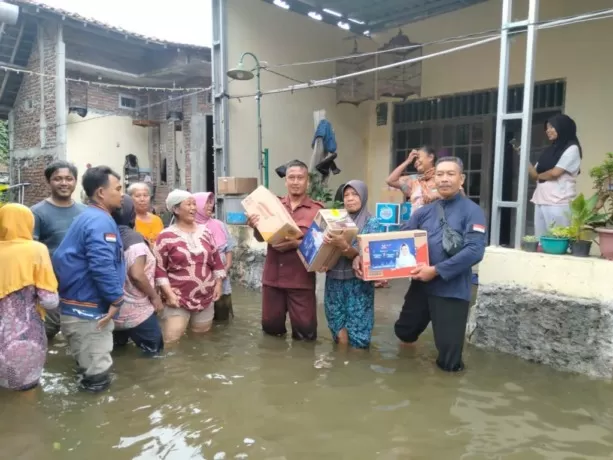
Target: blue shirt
pixel 90 266
pixel 454 274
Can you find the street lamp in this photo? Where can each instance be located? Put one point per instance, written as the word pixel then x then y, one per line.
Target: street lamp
pixel 239 73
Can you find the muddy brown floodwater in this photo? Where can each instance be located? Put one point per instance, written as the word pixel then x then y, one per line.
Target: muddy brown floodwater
pixel 236 394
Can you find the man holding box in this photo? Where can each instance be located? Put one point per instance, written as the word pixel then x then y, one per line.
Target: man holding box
pixel 287 287
pixel 441 292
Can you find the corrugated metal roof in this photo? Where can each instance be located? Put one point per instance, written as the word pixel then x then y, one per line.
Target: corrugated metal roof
pixel 44 8
pixel 362 16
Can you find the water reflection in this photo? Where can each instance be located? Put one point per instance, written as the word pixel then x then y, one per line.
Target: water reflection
pixel 237 394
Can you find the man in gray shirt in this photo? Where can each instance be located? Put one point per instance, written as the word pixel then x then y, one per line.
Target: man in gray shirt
pixel 53 216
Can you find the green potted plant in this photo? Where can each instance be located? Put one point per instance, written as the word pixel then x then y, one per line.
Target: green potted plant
pixel 318 191
pixel 556 240
pixel 530 243
pixel 602 176
pixel 583 218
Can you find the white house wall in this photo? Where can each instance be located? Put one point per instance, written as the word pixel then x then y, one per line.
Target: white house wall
pixel 580 54
pixel 104 140
pixel 278 36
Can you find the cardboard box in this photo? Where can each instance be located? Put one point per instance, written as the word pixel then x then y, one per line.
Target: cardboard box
pixel 392 255
pixel 236 185
pixel 391 195
pixel 312 251
pixel 276 223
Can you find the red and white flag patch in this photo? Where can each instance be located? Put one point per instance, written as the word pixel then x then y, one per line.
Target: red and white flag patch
pixel 110 238
pixel 479 228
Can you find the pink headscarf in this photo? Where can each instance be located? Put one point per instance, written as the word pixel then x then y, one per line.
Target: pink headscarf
pixel 215 226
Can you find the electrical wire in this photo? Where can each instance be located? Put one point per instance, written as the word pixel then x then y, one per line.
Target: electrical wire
pixel 84 120
pixel 602 14
pixel 458 38
pixel 137 109
pixel 295 80
pixel 8 68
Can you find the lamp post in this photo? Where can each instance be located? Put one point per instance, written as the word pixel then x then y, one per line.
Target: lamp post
pixel 239 73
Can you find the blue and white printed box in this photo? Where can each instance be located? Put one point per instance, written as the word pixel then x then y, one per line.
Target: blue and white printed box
pixel 388 213
pixel 405 211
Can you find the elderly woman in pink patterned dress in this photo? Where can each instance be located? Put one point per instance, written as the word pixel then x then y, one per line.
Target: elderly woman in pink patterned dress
pixel 27 280
pixel 189 270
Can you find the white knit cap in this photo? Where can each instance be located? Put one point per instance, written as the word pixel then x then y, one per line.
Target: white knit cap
pixel 176 197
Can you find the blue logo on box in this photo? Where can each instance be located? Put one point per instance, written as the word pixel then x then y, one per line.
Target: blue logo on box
pixel 312 241
pixel 405 211
pixel 388 213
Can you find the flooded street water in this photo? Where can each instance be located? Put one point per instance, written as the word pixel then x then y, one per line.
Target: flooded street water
pixel 238 394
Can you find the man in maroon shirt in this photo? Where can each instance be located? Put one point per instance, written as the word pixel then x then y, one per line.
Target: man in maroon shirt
pixel 286 285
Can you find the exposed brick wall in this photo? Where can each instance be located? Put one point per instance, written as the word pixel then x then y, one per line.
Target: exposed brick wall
pixel 27 109
pixel 32 154
pixel 31 170
pixel 34 142
pixel 104 100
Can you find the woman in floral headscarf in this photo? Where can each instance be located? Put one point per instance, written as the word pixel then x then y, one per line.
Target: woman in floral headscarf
pixel 205 205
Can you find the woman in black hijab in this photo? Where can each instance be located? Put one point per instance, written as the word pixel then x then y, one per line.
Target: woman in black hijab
pixel 137 319
pixel 556 175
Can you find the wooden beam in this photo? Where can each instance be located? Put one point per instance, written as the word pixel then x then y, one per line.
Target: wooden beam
pixel 145 123
pixel 13 55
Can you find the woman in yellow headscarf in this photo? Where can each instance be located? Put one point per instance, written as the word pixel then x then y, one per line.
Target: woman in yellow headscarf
pixel 26 280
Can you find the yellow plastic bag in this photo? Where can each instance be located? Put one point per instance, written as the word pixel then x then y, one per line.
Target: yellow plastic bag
pixel 41 311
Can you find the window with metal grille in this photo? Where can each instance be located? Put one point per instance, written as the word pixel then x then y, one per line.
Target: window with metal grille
pixel 547 95
pixel 127 102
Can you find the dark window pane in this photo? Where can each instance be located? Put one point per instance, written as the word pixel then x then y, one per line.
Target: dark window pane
pixel 476 200
pixel 401 139
pixel 477 134
pixel 560 90
pixel 426 136
pixel 464 106
pixel 448 135
pixel 398 113
pixel 461 134
pixel 551 95
pixel 474 184
pixel 475 159
pixel 407 113
pixel 401 155
pixel 456 106
pixel 414 112
pixel 462 154
pixel 414 137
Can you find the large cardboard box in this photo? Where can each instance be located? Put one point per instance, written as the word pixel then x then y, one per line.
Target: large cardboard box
pixel 392 255
pixel 276 223
pixel 312 251
pixel 236 185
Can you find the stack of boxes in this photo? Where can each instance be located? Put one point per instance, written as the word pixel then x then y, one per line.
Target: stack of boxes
pixel 234 190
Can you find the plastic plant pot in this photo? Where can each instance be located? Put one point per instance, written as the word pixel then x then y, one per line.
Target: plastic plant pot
pixel 580 248
pixel 554 245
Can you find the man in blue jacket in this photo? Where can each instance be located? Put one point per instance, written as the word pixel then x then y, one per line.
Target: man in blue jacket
pixel 441 292
pixel 91 272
